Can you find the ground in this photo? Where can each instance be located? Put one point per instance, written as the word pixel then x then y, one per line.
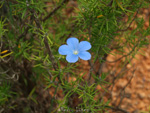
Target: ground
pixel 136 81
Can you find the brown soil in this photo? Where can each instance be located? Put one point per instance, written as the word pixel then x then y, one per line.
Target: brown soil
pixel 133 88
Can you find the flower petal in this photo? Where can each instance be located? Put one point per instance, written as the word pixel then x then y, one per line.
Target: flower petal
pixel 64 50
pixel 84 45
pixel 84 55
pixel 72 58
pixel 73 43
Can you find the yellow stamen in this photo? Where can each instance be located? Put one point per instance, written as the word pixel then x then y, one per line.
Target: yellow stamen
pixel 75 52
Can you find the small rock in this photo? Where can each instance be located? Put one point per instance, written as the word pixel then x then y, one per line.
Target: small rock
pixel 129 66
pixel 148 96
pixel 98 87
pixel 128 90
pixel 142 95
pixel 141 105
pixel 114 94
pixel 122 83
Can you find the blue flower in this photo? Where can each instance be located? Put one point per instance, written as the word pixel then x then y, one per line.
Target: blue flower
pixel 75 50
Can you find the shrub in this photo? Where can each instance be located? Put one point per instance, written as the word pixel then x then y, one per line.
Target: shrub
pixel 36 78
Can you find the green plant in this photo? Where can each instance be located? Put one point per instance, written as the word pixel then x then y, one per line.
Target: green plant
pixel 33 35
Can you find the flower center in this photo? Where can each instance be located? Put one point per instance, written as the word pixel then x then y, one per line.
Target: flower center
pixel 75 52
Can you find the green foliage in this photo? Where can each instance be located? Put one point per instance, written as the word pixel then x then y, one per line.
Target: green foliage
pixel 5 93
pixel 34 34
pixel 2 30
